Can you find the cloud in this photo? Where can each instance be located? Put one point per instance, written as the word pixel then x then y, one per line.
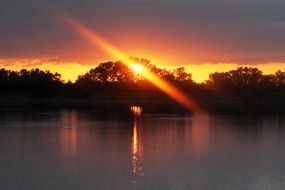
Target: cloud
pixel 212 31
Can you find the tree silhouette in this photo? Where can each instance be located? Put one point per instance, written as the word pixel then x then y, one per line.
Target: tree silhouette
pixel 121 73
pixel 219 79
pixel 34 82
pixel 118 81
pixel 243 76
pixel 109 72
pixel 181 75
pixel 279 78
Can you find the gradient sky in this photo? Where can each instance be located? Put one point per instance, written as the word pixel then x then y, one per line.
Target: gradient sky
pixel 168 32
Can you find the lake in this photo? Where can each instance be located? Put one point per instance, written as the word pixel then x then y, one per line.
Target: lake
pixel 71 149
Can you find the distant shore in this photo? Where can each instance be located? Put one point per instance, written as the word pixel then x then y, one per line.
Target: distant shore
pixel 115 87
pixel 231 105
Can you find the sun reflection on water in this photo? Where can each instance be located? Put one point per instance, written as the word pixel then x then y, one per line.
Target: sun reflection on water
pixel 137 110
pixel 136 149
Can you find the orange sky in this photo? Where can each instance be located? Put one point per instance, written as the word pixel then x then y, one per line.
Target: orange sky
pixel 70 70
pixel 200 34
pixel 202 40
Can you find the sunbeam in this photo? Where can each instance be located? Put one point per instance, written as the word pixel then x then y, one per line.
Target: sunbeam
pixel 98 41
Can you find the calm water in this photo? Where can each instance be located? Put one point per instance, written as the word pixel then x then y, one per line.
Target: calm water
pixel 85 150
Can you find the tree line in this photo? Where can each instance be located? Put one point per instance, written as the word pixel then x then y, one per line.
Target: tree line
pixel 117 78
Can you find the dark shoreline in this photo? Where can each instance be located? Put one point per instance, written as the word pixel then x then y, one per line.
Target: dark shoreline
pixel 159 105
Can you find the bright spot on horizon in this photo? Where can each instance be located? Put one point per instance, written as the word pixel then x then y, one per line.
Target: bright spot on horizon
pixel 137 68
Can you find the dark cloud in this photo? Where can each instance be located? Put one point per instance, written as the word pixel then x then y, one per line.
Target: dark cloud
pixel 238 29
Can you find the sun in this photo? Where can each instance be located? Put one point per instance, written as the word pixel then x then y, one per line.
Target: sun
pixel 137 68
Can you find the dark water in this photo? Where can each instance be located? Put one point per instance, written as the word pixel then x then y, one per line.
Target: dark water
pixel 85 150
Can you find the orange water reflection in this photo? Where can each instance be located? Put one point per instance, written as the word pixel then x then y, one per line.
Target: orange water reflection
pixel 136 150
pixel 137 110
pixel 69 134
pixel 200 133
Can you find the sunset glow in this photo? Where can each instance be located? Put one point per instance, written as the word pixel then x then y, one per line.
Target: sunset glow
pixel 71 70
pixel 163 85
pixel 163 50
pixel 142 94
pixel 137 68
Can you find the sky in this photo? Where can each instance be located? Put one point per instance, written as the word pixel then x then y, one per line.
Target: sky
pixel 202 35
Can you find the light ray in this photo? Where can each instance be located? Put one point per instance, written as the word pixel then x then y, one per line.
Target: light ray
pixel 138 68
pixel 163 85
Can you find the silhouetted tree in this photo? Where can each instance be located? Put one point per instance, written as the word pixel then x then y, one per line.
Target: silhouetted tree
pixel 181 75
pixel 117 80
pixel 279 78
pixel 219 79
pixel 34 82
pixel 109 72
pixel 243 76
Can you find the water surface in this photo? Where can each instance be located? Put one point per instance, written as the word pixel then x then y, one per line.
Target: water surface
pixel 72 149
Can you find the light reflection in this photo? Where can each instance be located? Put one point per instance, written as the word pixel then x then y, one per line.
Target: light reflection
pixel 197 134
pixel 200 133
pixel 68 134
pixel 137 110
pixel 136 150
